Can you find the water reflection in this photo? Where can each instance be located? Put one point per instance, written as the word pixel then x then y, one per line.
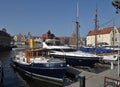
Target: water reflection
pixel 31 82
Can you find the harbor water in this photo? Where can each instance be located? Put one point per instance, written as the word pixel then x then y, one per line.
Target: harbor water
pixel 13 78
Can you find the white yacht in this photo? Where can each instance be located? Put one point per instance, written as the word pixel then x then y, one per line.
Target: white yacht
pixel 72 56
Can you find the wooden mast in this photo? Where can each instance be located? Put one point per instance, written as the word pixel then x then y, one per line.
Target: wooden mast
pixel 77 28
pixel 96 26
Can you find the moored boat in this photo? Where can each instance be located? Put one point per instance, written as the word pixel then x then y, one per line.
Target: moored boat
pixel 73 57
pixel 106 54
pixel 37 63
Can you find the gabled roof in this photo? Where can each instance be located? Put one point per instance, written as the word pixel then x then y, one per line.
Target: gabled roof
pixel 119 30
pixel 100 31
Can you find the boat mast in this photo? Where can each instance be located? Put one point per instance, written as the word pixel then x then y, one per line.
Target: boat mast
pixel 77 28
pixel 96 26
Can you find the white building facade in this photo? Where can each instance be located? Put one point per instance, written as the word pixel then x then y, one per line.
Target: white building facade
pixel 108 35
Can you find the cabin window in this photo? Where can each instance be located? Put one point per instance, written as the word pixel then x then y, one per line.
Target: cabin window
pixel 113 31
pixel 57 49
pixel 112 39
pixel 18 58
pixel 45 53
pixel 23 59
pixel 39 53
pixel 34 54
pixel 29 53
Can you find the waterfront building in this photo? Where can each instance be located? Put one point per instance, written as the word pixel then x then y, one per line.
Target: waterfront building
pixel 109 35
pixel 48 35
pixel 19 38
pixel 37 39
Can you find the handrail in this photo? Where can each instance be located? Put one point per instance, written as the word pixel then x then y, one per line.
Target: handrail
pixel 115 81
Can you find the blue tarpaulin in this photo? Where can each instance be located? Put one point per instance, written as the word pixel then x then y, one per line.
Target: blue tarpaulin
pixel 96 50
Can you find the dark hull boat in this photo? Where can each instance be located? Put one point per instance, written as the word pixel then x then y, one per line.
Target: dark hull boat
pixel 79 61
pixel 47 70
pixel 37 63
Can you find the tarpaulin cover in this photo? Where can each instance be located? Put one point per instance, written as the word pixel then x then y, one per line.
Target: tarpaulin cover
pixel 96 50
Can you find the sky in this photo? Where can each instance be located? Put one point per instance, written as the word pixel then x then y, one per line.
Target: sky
pixel 59 16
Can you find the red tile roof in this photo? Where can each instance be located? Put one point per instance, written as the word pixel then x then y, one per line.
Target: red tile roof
pixel 100 31
pixel 119 30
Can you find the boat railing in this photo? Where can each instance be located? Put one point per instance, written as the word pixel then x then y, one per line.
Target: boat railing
pixel 108 82
pixel 63 52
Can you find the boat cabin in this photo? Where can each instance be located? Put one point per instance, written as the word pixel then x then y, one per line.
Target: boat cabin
pixel 36 53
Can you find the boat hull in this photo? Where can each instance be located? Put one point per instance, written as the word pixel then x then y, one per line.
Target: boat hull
pixel 79 61
pixel 47 70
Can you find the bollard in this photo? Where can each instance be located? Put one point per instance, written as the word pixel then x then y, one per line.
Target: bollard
pixel 82 81
pixel 111 65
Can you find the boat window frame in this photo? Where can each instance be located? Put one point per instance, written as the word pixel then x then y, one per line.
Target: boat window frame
pixel 36 53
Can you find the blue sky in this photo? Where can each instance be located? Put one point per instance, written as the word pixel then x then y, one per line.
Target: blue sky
pixel 39 16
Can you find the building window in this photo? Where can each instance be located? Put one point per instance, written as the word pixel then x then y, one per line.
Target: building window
pixel 112 39
pixel 113 31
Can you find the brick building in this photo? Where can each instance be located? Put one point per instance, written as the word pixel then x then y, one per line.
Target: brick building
pixel 48 35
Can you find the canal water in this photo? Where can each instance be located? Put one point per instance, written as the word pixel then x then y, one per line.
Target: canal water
pixel 13 78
